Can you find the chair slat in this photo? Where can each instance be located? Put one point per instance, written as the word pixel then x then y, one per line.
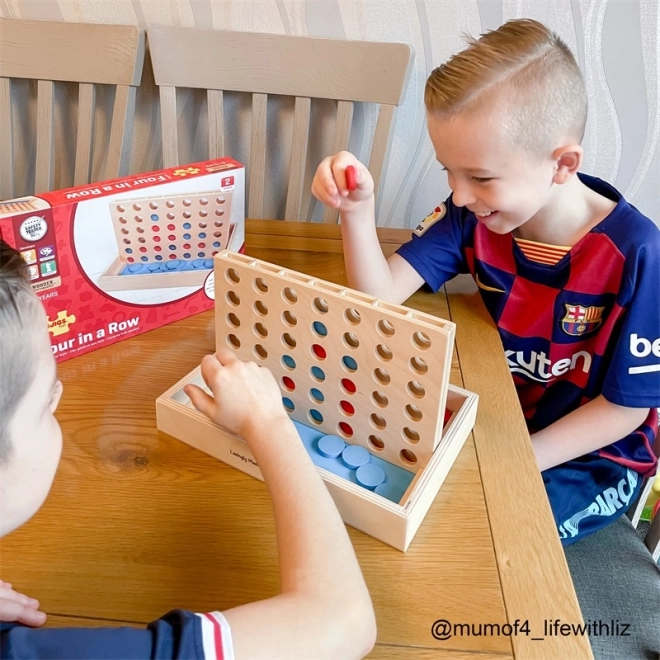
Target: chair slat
pixel 168 120
pixel 258 155
pixel 652 538
pixel 294 195
pixel 43 180
pixel 6 141
pixel 340 143
pixel 121 133
pixel 86 110
pixel 216 123
pixel 381 144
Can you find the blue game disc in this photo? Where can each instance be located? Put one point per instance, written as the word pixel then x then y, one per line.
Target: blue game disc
pixel 134 268
pixel 208 263
pixel 390 492
pixel 331 446
pixel 370 476
pixel 173 265
pixel 354 456
pixel 199 263
pixel 153 267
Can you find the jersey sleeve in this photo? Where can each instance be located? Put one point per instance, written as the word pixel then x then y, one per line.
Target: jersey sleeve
pixel 178 634
pixel 437 248
pixel 633 375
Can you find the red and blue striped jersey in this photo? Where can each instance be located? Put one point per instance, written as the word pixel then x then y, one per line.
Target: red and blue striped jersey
pixel 584 326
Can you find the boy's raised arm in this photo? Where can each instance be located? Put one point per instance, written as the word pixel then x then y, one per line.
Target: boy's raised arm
pixel 324 609
pixel 367 269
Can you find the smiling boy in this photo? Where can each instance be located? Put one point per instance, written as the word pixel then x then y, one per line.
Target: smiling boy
pixel 323 610
pixel 568 270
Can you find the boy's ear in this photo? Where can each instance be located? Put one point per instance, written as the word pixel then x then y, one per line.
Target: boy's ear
pixel 568 159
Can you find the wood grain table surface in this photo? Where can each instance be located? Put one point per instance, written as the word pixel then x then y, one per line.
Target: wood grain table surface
pixel 138 523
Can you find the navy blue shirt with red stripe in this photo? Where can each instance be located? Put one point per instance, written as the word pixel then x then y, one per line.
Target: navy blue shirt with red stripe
pixel 585 326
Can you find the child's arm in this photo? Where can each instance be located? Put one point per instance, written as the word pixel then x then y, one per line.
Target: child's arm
pixel 367 270
pixel 324 609
pixel 594 425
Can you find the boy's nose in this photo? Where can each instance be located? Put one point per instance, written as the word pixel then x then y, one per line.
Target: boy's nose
pixel 462 195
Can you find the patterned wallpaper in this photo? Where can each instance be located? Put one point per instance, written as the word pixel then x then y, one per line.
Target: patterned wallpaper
pixel 617 43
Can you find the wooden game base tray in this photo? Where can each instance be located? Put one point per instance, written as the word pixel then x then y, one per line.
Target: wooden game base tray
pixel 393 524
pixel 111 280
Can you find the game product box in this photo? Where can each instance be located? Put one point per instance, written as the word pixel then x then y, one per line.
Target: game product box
pixel 114 259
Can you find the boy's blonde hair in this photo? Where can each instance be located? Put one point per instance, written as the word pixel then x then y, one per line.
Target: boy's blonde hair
pixel 20 323
pixel 528 71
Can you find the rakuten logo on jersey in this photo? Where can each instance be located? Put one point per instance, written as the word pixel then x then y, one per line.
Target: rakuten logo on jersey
pixel 537 366
pixel 640 347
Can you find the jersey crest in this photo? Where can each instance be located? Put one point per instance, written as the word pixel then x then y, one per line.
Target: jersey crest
pixel 438 213
pixel 581 320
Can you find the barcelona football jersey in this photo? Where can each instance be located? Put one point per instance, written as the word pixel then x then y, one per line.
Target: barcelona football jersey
pixel 572 330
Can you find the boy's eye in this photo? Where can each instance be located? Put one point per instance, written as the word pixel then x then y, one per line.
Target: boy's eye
pixel 482 179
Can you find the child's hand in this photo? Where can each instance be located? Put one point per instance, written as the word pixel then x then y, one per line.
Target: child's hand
pixel 18 608
pixel 330 187
pixel 245 395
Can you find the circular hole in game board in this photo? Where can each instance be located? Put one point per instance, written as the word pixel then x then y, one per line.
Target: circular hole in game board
pixel 413 413
pixel 288 362
pixel 169 204
pixel 219 212
pixel 154 217
pixel 203 201
pixel 347 386
pixel 187 215
pixel 123 220
pixel 421 340
pixel 233 299
pixel 171 216
pixel 288 340
pixel 385 328
pixel 320 305
pixel 140 230
pixel 137 207
pixel 290 295
pixel 288 404
pixel 260 330
pixel 155 228
pixel 232 275
pixel 156 239
pixel 138 218
pixel 380 399
pixel 127 241
pixel 203 214
pixel 351 340
pixel 143 249
pixel 349 363
pixel 187 202
pixel 217 234
pixel 317 374
pixel 352 316
pixel 153 206
pixel 408 457
pixel 347 408
pixel 319 329
pixel 142 239
pixel 377 421
pixel 382 376
pixel 319 352
pixel 419 366
pixel 345 430
pixel 288 384
pixel 202 225
pixel 315 417
pixel 157 248
pixel 124 231
pixel 219 200
pixel 120 208
pixel 411 436
pixel 261 285
pixel 233 320
pixel 415 389
pixel 260 352
pixel 384 353
pixel 260 308
pixel 130 260
pixel 289 319
pixel 316 395
pixel 376 443
pixel 233 341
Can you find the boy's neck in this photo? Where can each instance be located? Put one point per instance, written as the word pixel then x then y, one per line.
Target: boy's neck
pixel 573 210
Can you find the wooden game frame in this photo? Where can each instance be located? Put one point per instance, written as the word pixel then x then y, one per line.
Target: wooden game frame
pixel 127 216
pixel 247 286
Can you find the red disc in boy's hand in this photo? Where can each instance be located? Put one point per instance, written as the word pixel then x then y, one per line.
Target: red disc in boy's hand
pixel 351 183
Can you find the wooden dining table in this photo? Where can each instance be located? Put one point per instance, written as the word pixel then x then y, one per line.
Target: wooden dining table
pixel 138 523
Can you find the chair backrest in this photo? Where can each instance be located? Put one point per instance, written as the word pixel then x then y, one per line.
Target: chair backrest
pixel 306 68
pixel 50 52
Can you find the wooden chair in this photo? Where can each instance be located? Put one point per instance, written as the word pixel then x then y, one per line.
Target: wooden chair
pixel 306 68
pixel 50 52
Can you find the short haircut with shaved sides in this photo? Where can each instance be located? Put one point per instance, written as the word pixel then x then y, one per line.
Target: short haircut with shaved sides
pixel 528 72
pixel 21 322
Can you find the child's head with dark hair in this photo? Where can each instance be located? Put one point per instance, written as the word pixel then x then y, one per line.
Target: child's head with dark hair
pixel 30 437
